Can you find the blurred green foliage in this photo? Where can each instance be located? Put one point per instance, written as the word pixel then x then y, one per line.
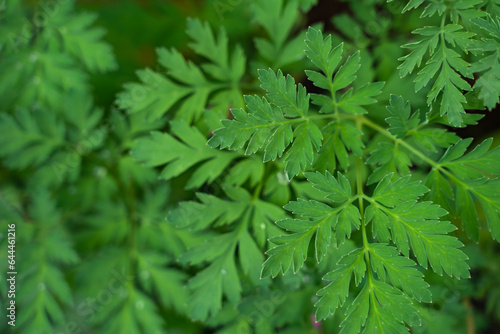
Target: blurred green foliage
pixel 128 222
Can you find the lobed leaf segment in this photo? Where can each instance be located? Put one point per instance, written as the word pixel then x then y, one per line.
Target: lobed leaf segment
pixel 281 121
pixel 450 71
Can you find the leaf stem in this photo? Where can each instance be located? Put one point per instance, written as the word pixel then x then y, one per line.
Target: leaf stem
pixel 471 328
pixel 361 195
pixel 422 156
pixel 363 120
pixel 359 186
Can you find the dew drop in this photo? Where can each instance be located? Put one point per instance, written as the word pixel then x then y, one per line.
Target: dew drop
pixel 99 171
pixel 139 305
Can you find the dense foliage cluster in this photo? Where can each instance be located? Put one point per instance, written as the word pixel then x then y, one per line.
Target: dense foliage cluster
pixel 301 181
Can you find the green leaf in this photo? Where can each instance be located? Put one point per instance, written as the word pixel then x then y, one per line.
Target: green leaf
pixel 278 18
pixel 336 190
pixel 319 51
pixel 335 293
pixel 25 87
pixel 224 66
pixel 251 169
pixel 166 283
pixel 291 249
pixel 30 138
pixel 356 313
pixel 385 307
pixel 47 292
pixel 486 191
pixel 187 83
pixel 346 73
pixel 149 95
pixel 208 286
pixel 282 91
pixel 84 42
pixel 181 154
pixel 307 140
pixel 339 138
pixel 487 83
pixel 417 224
pixel 440 189
pixel 211 210
pixel 445 62
pixel 389 308
pixel 265 126
pixel 387 262
pixel 280 121
pixel 401 120
pixel 419 49
pixel 391 194
pixel 220 278
pixel 405 125
pixel 318 219
pixel 412 4
pixel 469 174
pixel 351 101
pixel 391 159
pixel 135 314
pixel 474 164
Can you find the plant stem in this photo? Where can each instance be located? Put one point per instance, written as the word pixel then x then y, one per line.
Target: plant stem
pixel 471 327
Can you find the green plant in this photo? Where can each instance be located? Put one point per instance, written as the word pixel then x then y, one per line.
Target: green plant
pixel 301 153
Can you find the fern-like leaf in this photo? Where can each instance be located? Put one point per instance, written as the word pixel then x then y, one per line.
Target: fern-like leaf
pixel 396 214
pixel 180 154
pixel 221 278
pixel 188 83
